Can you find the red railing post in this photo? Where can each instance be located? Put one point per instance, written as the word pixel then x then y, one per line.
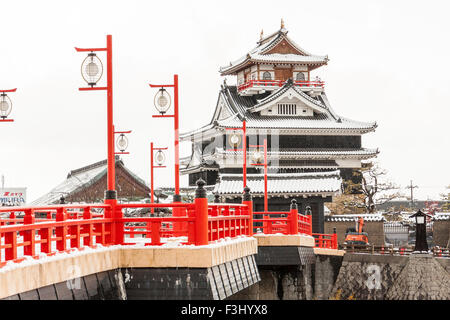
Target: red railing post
pixel 247 200
pixel 61 232
pixel 310 224
pixel 74 233
pixel 87 240
pixel 11 240
pixel 116 228
pixel 335 243
pixel 12 215
pixel 46 236
pixel 201 214
pixel 29 235
pixel 191 226
pixel 226 226
pixel 119 235
pixel 293 217
pixel 156 235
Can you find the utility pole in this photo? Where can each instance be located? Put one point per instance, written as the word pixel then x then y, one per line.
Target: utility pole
pixel 411 187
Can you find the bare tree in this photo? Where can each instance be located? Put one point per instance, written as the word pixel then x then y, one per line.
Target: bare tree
pixel 446 198
pixel 375 188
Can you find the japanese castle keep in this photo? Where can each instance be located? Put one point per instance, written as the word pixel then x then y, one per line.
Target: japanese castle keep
pixel 311 149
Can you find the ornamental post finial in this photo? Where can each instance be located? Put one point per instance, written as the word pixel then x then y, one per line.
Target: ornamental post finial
pixel 282 23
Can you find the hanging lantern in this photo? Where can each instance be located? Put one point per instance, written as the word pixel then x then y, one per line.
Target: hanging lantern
pixel 257 156
pixel 162 101
pixel 160 157
pixel 5 106
pixel 122 142
pixel 91 69
pixel 234 140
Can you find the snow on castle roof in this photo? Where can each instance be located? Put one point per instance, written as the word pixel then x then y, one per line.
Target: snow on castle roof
pixel 260 54
pixel 313 183
pixel 79 179
pixel 372 217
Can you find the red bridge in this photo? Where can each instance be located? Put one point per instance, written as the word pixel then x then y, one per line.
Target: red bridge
pixel 37 233
pixel 58 228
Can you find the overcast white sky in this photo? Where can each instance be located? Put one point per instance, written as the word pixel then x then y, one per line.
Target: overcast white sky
pixel 388 63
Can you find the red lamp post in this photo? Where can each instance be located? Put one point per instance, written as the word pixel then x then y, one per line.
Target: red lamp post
pixel 244 149
pixel 160 157
pixel 162 104
pixel 92 71
pixel 5 105
pixel 257 159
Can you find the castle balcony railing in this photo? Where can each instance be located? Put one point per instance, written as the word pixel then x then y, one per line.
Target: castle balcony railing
pixel 255 86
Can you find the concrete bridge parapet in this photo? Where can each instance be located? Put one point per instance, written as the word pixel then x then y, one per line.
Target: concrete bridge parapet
pixel 213 271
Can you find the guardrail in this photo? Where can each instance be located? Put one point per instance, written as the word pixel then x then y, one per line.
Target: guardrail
pixel 290 222
pixel 391 250
pixel 323 240
pixel 33 231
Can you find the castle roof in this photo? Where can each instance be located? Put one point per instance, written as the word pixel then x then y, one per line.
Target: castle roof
pixel 298 153
pixel 286 184
pixel 233 108
pixel 265 52
pixel 80 179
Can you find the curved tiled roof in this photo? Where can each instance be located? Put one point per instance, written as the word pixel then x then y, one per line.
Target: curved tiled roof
pixel 79 179
pixel 258 54
pixel 440 216
pixel 286 153
pixel 370 217
pixel 282 183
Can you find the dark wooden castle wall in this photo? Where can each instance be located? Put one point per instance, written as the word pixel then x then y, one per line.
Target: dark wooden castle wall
pixel 289 142
pixel 297 141
pixel 209 176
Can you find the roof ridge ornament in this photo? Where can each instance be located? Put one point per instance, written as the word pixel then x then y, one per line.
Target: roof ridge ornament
pixel 282 23
pixel 261 35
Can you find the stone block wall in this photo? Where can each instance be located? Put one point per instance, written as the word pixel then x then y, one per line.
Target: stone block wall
pixel 441 233
pixel 378 277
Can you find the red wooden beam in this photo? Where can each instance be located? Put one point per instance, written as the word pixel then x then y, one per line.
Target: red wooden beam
pixel 90 49
pixel 93 88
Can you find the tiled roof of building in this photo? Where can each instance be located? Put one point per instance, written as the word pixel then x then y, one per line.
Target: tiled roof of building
pixel 304 152
pixel 369 217
pixel 240 108
pixel 439 216
pixel 314 183
pixel 260 54
pixel 80 179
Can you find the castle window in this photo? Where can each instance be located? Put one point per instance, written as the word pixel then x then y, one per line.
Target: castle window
pixel 287 108
pixel 300 76
pixel 267 76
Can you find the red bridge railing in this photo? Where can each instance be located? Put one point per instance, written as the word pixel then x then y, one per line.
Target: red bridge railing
pixel 323 240
pixel 290 222
pixel 33 231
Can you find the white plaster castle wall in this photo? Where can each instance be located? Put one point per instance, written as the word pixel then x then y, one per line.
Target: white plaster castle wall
pixel 348 163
